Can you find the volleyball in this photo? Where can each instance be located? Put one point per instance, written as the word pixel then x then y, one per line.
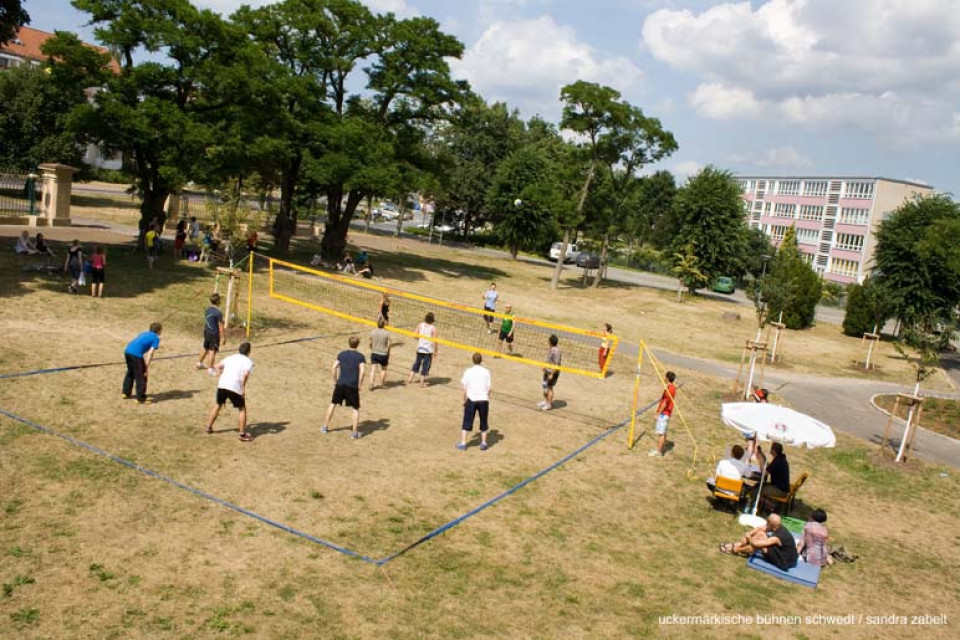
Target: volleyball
pixel 517 202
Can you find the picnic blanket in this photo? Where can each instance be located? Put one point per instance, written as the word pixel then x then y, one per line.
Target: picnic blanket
pixel 804 574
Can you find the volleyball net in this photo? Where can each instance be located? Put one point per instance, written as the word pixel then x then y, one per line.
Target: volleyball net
pixel 459 326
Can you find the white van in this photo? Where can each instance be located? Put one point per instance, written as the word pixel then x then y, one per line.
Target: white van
pixel 572 252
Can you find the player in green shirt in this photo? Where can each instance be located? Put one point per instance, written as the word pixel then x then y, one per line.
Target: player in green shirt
pixel 507 327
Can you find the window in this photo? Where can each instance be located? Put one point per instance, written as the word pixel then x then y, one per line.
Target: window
pixel 815 188
pixel 854 216
pixel 746 186
pixel 847 268
pixel 784 210
pixel 811 212
pixel 849 242
pixel 777 232
pixel 808 236
pixel 862 190
pixel 788 187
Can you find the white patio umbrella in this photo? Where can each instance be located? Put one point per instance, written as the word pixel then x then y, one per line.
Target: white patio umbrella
pixel 771 422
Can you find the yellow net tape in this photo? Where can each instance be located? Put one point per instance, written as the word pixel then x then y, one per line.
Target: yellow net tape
pixel 458 326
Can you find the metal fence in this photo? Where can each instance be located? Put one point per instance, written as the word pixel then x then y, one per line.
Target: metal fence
pixel 19 194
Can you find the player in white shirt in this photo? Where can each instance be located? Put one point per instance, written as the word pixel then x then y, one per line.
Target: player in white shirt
pixel 476 384
pixel 234 372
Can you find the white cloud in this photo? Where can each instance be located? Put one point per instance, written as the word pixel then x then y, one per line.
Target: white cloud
pixel 528 61
pixel 717 101
pixel 785 158
pixel 885 66
pixel 683 170
pixel 399 7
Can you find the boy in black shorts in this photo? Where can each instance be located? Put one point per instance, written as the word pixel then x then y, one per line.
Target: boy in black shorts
pixel 379 353
pixel 234 372
pixel 348 372
pixel 214 336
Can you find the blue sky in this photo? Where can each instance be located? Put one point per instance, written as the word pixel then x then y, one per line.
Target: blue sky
pixel 812 87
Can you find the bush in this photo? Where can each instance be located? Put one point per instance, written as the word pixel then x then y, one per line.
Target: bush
pixel 867 307
pixel 833 294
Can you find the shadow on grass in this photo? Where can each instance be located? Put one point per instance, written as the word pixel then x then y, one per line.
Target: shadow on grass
pixel 118 201
pixel 369 427
pixel 266 428
pixel 174 394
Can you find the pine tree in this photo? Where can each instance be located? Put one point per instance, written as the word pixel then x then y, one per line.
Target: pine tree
pixel 792 286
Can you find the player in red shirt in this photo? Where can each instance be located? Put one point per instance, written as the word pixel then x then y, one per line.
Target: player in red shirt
pixel 664 411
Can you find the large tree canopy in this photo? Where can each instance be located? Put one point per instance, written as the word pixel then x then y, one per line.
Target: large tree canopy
pixel 917 260
pixel 12 17
pixel 710 216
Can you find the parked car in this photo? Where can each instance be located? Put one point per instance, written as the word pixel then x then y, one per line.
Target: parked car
pixel 724 284
pixel 572 252
pixel 588 260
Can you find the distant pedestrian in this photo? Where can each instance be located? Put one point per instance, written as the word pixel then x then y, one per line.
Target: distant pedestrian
pixel 551 374
pixel 379 353
pixel 427 349
pixel 490 304
pixel 98 268
pixel 194 228
pixel 234 372
pixel 138 355
pixel 151 242
pixel 507 329
pixel 664 411
pixel 214 335
pixel 180 238
pixel 74 265
pixel 604 352
pixel 476 383
pixel 348 373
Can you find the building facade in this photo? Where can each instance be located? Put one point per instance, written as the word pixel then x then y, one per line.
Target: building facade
pixel 835 218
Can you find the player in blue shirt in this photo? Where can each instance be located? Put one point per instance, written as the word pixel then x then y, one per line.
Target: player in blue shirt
pixel 348 372
pixel 138 355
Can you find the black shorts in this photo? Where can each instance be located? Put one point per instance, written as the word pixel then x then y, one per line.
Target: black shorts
pixel 470 409
pixel 235 398
pixel 342 394
pixel 211 341
pixel 96 276
pixel 422 363
pixel 381 359
pixel 550 379
pixel 506 335
pixel 152 251
pixel 487 318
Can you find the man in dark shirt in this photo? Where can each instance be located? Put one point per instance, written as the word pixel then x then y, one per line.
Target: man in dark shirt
pixel 348 373
pixel 773 540
pixel 214 335
pixel 778 474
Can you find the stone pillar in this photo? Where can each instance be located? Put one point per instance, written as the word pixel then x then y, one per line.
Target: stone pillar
pixel 57 190
pixel 172 207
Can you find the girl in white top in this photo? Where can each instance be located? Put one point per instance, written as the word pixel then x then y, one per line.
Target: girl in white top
pixel 427 349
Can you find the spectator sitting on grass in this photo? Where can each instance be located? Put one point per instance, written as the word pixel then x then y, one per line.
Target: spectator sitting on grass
pixel 24 246
pixel 772 540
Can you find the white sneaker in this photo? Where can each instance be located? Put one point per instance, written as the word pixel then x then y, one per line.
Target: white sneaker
pixel 541 404
pixel 654 453
pixel 546 407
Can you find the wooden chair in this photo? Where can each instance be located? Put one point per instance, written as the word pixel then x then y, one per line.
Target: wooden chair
pixel 728 491
pixel 791 497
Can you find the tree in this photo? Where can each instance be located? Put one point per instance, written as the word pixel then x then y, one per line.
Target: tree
pixel 917 261
pixel 687 270
pixel 34 119
pixel 470 148
pixel 791 286
pixel 710 218
pixel 527 175
pixel 654 219
pixel 12 17
pixel 868 308
pixel 166 111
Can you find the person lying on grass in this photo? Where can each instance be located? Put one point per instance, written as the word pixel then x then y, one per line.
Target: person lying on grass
pixel 773 540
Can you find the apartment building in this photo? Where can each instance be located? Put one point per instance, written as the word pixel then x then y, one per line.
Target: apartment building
pixel 836 218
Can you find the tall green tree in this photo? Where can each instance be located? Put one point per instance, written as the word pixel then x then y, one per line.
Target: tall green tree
pixel 164 110
pixel 791 286
pixel 868 308
pixel 917 261
pixel 529 176
pixel 653 220
pixel 12 17
pixel 710 218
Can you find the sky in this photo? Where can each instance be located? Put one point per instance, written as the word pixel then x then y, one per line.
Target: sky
pixel 764 87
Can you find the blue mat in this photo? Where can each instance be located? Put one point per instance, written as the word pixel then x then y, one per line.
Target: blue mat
pixel 804 574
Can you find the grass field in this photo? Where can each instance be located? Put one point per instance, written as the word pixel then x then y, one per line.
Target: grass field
pixel 939 414
pixel 601 547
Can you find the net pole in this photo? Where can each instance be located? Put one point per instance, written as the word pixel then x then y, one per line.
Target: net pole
pixel 249 294
pixel 636 396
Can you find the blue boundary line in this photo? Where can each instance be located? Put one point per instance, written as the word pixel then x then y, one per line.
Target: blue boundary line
pixel 40 372
pixel 492 501
pixel 301 534
pixel 185 487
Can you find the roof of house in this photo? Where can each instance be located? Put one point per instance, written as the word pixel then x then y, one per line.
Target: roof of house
pixel 28 41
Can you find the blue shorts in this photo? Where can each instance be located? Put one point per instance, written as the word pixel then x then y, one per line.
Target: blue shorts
pixel 422 364
pixel 662 421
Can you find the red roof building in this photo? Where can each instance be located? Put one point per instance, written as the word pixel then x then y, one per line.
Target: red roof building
pixel 25 49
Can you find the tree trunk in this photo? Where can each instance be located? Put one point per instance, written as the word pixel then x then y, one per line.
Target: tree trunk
pixel 285 224
pixel 369 212
pixel 151 208
pixel 603 261
pixel 334 241
pixel 555 281
pixel 402 209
